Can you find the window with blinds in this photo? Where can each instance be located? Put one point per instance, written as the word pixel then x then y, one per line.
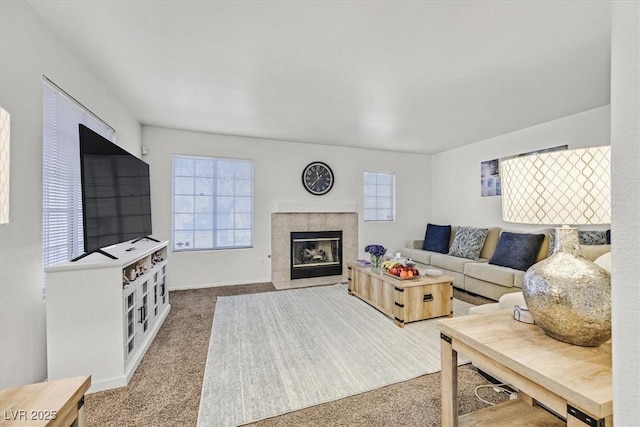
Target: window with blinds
pixel 379 196
pixel 212 203
pixel 62 236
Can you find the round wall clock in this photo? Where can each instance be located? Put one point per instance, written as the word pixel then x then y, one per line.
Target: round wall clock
pixel 317 178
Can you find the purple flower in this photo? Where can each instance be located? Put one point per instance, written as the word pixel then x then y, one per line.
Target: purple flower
pixel 376 250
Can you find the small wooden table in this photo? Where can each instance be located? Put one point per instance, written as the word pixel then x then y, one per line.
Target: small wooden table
pixel 572 381
pixel 404 301
pixel 50 403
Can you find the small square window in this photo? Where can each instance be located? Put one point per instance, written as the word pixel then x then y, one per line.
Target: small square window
pixel 379 196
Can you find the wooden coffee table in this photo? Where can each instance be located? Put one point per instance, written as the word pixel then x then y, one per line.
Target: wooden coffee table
pixel 404 301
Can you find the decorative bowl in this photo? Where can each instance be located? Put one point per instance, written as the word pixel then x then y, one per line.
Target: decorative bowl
pixel 433 272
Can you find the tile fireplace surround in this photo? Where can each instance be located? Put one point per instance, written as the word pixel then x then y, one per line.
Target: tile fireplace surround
pixel 282 224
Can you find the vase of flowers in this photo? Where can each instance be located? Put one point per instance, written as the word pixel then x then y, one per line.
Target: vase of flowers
pixel 376 252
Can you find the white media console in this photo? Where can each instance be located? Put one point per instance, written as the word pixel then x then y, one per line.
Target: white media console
pixel 102 313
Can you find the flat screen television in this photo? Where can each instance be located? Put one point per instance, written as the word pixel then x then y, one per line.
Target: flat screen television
pixel 116 196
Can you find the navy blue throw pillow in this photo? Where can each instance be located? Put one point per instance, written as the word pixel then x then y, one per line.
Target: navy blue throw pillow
pixel 517 250
pixel 608 234
pixel 436 238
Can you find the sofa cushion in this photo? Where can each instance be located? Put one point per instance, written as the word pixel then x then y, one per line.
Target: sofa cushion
pixel 484 308
pixel 417 255
pixel 544 247
pixel 436 238
pixel 490 243
pixel 454 228
pixel 468 242
pixel 506 301
pixel 592 252
pixel 604 261
pixel 518 278
pixel 503 276
pixel 517 250
pixel 511 300
pixel 415 244
pixel 451 263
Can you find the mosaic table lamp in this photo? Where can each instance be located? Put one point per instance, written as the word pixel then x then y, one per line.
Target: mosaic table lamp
pixel 568 296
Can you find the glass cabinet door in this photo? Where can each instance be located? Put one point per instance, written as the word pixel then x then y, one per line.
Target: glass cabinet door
pixel 130 323
pixel 144 307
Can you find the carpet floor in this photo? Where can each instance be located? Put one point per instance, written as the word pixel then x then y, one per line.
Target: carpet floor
pixel 166 388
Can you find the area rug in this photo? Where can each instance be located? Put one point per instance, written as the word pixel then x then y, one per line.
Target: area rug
pixel 278 352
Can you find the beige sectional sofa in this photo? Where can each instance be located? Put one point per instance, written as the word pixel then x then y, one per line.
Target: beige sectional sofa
pixel 478 276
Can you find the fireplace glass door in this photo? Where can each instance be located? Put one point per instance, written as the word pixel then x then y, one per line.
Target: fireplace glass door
pixel 316 253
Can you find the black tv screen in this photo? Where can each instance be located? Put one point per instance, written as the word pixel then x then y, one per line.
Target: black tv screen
pixel 116 196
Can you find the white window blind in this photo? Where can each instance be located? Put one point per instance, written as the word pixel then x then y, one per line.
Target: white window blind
pixel 379 196
pixel 62 236
pixel 212 203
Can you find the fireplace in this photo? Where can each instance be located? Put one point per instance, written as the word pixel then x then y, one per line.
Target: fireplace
pixel 284 223
pixel 316 254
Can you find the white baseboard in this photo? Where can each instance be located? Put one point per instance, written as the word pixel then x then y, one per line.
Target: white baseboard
pixel 211 285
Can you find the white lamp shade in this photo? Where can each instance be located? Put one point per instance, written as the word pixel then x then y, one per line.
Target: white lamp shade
pixel 569 187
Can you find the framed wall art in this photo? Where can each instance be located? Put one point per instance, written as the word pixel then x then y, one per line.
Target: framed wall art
pixel 490 171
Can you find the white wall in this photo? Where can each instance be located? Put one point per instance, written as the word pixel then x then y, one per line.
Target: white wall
pixel 625 254
pixel 28 50
pixel 277 167
pixel 456 173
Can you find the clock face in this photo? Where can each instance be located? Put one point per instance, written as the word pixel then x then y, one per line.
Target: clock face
pixel 317 178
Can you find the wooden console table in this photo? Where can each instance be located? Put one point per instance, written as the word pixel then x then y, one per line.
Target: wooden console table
pixel 403 300
pixel 52 403
pixel 572 381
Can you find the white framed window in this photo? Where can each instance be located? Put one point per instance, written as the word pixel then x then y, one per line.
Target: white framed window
pixel 379 196
pixel 212 203
pixel 62 234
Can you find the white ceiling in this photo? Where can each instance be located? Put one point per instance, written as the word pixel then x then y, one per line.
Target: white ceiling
pixel 406 76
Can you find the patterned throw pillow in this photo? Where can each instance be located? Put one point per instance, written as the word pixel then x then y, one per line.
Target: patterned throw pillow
pixel 592 237
pixel 468 242
pixel 585 237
